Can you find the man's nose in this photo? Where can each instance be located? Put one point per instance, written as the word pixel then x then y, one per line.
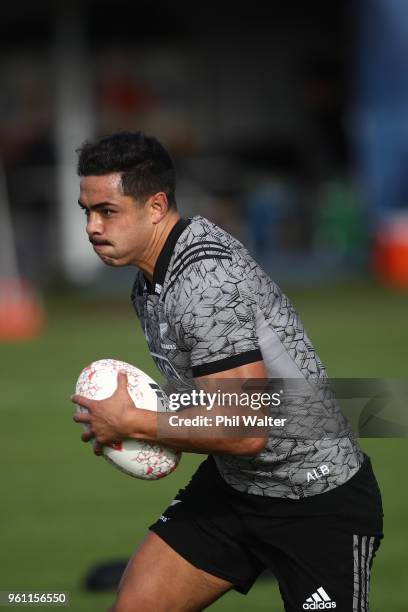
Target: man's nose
pixel 94 224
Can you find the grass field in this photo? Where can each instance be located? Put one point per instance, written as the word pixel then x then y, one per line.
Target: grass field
pixel 63 509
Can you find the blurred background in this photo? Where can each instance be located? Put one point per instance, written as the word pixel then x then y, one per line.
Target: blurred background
pixel 288 124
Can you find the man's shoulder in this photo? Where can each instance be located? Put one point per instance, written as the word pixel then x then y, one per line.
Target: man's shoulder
pixel 202 233
pixel 205 254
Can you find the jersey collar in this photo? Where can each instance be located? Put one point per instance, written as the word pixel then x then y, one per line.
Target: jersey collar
pixel 163 260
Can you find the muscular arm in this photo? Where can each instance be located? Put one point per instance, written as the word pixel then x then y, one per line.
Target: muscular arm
pixel 115 418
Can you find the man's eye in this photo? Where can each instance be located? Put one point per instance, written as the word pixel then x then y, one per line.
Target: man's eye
pixel 86 212
pixel 107 212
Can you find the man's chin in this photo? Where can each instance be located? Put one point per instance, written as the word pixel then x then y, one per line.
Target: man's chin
pixel 113 263
pixel 109 261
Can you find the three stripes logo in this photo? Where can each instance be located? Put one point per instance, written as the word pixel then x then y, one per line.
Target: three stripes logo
pixel 319 601
pixel 365 548
pixel 192 254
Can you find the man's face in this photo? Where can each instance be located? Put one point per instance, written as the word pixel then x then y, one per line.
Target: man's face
pixel 119 227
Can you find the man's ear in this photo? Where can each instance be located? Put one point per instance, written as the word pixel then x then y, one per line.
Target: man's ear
pixel 159 206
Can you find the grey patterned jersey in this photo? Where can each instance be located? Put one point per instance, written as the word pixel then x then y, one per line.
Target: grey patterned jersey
pixel 210 308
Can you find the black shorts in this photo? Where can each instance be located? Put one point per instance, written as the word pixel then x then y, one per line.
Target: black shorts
pixel 319 548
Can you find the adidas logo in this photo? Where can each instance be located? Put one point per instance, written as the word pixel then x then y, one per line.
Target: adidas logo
pixel 163 331
pixel 319 601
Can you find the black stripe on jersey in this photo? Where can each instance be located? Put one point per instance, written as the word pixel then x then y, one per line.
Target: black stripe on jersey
pixel 201 249
pixel 203 246
pixel 216 256
pixel 191 247
pixel 221 365
pixel 164 257
pixel 199 257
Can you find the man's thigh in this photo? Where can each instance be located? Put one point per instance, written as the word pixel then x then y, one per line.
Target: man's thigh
pixel 320 564
pixel 158 579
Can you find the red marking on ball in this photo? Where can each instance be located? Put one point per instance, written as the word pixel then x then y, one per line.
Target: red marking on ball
pixel 118 446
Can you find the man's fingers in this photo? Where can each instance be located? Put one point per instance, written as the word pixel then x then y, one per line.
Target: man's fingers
pixel 122 380
pixel 86 436
pixel 82 417
pixel 98 448
pixel 85 402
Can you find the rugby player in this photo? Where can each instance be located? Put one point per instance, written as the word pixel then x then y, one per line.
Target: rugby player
pixel 209 312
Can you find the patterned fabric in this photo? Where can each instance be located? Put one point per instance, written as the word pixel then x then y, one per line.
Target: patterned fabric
pixel 364 550
pixel 211 307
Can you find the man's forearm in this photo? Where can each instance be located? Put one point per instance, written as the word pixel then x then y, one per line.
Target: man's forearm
pixel 216 446
pixel 146 428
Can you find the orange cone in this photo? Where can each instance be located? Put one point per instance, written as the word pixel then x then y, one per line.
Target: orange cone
pixel 21 313
pixel 391 252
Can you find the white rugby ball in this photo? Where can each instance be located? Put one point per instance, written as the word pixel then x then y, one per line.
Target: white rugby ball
pixel 137 458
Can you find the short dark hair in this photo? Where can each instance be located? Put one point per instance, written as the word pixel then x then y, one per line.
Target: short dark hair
pixel 143 162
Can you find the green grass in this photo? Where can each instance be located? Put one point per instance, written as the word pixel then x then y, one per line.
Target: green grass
pixel 62 509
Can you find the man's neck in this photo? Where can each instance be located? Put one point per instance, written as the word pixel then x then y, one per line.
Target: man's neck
pixel 159 237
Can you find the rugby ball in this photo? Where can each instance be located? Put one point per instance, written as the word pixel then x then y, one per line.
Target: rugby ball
pixel 136 458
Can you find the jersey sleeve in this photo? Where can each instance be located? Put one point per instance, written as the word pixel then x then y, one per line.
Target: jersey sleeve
pixel 216 321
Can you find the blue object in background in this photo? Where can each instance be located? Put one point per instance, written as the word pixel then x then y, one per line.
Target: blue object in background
pixel 381 106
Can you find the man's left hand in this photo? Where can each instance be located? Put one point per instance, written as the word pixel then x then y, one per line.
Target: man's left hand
pixel 109 420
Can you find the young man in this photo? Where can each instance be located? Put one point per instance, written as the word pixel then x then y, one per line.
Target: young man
pixel 209 312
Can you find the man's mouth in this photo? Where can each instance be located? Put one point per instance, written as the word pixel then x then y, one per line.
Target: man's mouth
pixel 97 243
